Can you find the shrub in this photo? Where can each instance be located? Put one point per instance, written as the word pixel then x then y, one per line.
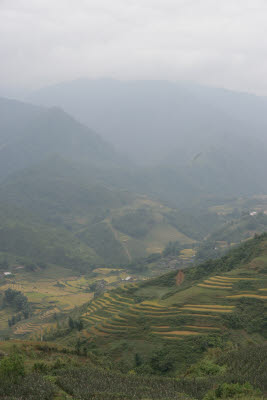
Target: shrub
pixel 207 367
pixel 232 391
pixel 40 367
pixel 12 368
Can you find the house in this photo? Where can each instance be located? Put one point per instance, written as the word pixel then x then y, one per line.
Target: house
pixel 128 278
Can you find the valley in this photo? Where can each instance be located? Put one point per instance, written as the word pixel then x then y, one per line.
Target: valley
pixel 133 200
pixel 143 275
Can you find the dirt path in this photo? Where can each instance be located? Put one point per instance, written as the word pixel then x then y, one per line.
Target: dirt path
pixel 118 239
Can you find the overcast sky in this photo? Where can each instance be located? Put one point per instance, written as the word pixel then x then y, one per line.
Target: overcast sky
pixel 215 42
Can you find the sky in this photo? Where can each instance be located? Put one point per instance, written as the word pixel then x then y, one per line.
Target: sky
pixel 220 43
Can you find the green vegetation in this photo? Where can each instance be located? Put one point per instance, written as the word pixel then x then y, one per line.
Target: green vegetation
pixel 26 239
pixel 16 384
pixel 136 223
pixel 16 299
pixel 196 223
pixel 34 370
pixel 233 391
pixel 101 238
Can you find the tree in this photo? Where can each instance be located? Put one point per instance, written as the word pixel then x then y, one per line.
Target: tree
pixel 138 360
pixel 162 362
pixel 71 323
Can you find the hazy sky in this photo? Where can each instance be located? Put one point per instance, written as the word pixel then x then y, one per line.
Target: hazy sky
pixel 215 42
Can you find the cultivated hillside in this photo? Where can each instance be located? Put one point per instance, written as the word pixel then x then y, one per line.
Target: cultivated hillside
pixel 201 307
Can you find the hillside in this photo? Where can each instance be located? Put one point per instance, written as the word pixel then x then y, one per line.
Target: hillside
pixel 197 308
pixel 35 136
pixel 26 239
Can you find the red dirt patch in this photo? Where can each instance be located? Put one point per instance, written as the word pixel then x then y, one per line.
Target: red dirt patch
pixel 179 278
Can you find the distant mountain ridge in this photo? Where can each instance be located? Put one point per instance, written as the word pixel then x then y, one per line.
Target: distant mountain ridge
pixel 164 126
pixel 132 113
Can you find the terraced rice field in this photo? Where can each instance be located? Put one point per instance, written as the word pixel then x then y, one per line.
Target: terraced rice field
pixel 186 313
pixel 199 315
pixel 201 327
pixel 53 286
pixel 37 325
pixel 198 311
pixel 116 314
pixel 254 296
pixel 213 282
pixel 217 310
pixel 230 278
pixel 178 333
pixel 223 282
pixel 212 286
pixel 211 306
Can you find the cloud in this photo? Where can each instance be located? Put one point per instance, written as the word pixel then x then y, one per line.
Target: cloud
pixel 214 42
